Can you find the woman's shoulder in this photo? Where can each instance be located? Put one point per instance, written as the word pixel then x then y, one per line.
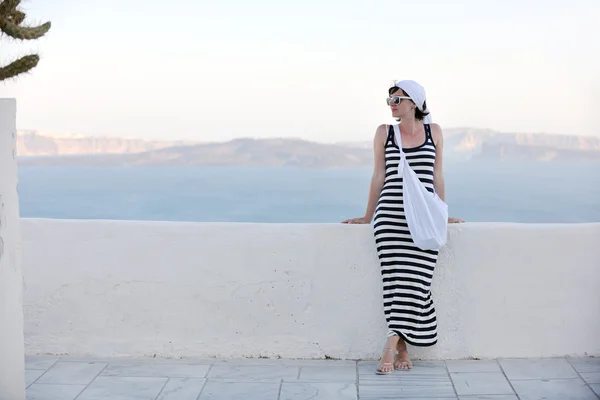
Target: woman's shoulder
pixel 435 128
pixel 380 135
pixel 383 128
pixel 436 133
pixel 381 131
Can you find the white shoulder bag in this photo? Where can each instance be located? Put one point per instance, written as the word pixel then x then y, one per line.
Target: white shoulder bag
pixel 426 213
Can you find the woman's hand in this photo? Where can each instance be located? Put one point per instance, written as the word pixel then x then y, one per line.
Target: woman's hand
pixel 455 220
pixel 361 220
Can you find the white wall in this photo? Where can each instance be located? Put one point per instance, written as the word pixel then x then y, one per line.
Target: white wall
pixel 12 369
pixel 106 288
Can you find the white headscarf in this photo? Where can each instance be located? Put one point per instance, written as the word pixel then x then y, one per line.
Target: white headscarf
pixel 417 93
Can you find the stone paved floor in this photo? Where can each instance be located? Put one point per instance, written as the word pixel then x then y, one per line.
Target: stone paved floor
pixel 67 378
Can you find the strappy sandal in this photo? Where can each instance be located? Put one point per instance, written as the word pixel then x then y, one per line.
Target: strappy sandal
pixel 378 370
pixel 408 364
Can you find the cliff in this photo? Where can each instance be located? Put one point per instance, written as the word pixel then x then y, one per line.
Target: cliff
pixel 461 144
pixel 33 143
pixel 251 152
pixel 485 144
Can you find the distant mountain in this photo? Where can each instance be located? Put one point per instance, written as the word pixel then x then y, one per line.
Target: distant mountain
pixel 33 143
pixel 466 144
pixel 461 144
pixel 252 152
pixel 512 151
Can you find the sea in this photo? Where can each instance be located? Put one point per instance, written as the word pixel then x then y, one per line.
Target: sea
pixel 476 191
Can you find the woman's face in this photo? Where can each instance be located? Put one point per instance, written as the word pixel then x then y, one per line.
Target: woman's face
pixel 405 107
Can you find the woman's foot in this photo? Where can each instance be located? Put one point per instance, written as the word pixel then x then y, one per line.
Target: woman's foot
pixel 386 364
pixel 402 361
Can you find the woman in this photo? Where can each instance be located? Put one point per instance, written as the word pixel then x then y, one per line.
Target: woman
pixel 406 270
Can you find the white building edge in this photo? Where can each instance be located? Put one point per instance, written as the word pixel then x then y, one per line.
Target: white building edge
pixel 12 363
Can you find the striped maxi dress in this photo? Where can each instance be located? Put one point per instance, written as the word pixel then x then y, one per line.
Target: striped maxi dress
pixel 406 270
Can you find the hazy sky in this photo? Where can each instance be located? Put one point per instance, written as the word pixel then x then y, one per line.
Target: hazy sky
pixel 215 70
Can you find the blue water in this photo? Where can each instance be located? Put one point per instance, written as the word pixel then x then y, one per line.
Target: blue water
pixel 475 191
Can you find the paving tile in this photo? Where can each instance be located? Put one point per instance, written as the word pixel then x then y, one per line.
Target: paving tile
pixel 367 367
pixel 372 379
pixel 328 374
pixel 406 385
pixel 420 367
pixel 406 378
pixel 53 392
pixel 152 370
pixel 553 389
pixel 39 362
pixel 31 375
pixel 430 367
pixel 254 372
pixel 249 361
pixel 72 373
pixel 92 359
pixel 590 377
pixel 538 368
pixel 587 364
pixel 124 378
pixel 318 391
pixel 216 390
pixel 182 389
pixel 123 388
pixel 480 383
pixel 473 366
pixel 400 392
pixel 409 398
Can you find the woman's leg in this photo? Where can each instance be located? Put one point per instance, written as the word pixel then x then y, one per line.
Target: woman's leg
pixel 386 364
pixel 402 360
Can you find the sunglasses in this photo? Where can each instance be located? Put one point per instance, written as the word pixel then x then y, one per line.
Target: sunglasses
pixel 395 100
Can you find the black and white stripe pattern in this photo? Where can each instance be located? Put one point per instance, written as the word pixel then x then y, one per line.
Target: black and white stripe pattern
pixel 406 270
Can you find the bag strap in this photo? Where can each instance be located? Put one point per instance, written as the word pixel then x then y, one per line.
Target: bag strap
pixel 398 139
pixel 403 161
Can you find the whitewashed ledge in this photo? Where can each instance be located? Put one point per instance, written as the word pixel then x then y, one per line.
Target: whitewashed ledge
pixel 311 291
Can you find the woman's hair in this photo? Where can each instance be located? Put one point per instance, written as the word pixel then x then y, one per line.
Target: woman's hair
pixel 419 115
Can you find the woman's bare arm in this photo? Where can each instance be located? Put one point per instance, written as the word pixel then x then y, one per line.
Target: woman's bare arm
pixel 438 170
pixel 378 178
